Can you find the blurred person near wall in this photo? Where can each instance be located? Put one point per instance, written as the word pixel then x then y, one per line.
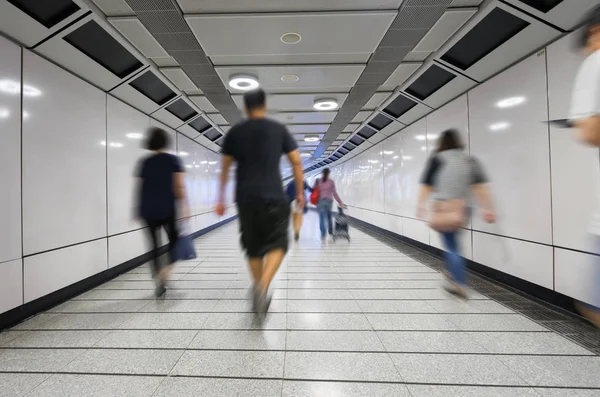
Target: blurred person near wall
pixel 584 115
pixel 297 211
pixel 327 192
pixel 161 184
pixel 257 145
pixel 450 178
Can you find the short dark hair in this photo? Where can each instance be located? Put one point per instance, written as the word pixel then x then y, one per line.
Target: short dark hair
pixel 591 19
pixel 157 139
pixel 255 99
pixel 450 139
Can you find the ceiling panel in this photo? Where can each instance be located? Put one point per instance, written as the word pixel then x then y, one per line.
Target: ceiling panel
pixel 351 127
pixel 138 35
pixel 165 62
pixel 377 100
pixel 308 128
pixel 291 102
pixel 317 77
pixel 203 103
pixel 288 59
pixel 114 7
pixel 217 119
pixel 444 28
pixel 322 33
pixel 226 6
pixel 179 78
pixel 304 117
pixel 361 116
pixel 400 75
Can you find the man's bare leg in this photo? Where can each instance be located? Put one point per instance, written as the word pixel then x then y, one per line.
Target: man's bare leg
pixel 272 262
pixel 297 224
pixel 256 268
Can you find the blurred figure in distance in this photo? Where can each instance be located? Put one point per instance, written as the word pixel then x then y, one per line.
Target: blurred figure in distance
pixel 257 145
pixel 584 115
pixel 327 192
pixel 161 183
pixel 297 211
pixel 450 176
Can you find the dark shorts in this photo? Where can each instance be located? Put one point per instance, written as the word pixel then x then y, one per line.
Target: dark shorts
pixel 264 227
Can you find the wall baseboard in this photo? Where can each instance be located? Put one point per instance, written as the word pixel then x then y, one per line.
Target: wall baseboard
pixel 534 290
pixel 23 312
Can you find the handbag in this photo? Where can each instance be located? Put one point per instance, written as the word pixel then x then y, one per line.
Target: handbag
pixel 314 196
pixel 184 248
pixel 448 215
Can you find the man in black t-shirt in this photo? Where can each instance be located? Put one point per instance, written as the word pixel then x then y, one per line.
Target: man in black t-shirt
pixel 257 145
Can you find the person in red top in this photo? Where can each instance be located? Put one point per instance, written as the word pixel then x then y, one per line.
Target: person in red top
pixel 327 193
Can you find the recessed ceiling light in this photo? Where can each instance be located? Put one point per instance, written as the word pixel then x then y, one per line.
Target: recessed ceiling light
pixel 183 154
pixel 311 139
pixel 115 144
pixel 499 126
pixel 326 104
pixel 510 102
pixel 243 82
pixel 388 152
pixel 135 135
pixel 289 78
pixel 304 154
pixel 290 38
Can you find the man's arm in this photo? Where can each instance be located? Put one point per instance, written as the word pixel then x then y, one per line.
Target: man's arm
pixel 225 166
pixel 296 162
pixel 588 130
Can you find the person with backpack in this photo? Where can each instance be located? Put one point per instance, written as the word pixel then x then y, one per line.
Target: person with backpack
pixel 297 211
pixel 584 116
pixel 451 176
pixel 326 192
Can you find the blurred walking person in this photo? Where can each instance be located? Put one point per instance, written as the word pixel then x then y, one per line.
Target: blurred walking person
pixel 451 176
pixel 257 145
pixel 585 117
pixel 297 211
pixel 327 193
pixel 161 184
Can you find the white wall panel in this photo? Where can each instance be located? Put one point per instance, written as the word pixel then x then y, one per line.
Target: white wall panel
pixel 127 246
pixel 578 274
pixel 412 162
pixel 393 175
pixel 64 161
pixel 51 271
pixel 376 186
pixel 512 143
pixel 11 284
pixel 416 229
pixel 528 261
pixel 10 152
pixel 126 129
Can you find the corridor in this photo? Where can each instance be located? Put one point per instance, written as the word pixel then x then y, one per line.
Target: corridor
pixel 359 319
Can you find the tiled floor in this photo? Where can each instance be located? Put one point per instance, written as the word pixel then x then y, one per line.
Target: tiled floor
pixel 359 319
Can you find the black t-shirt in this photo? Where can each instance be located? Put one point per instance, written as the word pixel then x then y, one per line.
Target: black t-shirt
pixel 257 146
pixel 157 196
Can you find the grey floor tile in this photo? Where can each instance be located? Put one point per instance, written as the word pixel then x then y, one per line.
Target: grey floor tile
pixel 366 276
pixel 244 321
pixel 452 306
pixel 36 360
pixel 408 268
pixel 214 387
pixel 100 306
pixel 106 294
pixel 429 342
pixel 555 371
pixel 35 322
pixel 245 306
pixel 144 339
pixel 411 322
pixel 436 293
pixel 97 321
pixel 190 294
pixel 356 341
pixel 165 321
pixel 568 392
pixel 112 285
pixel 145 276
pixel 384 294
pixel 208 277
pixel 526 343
pixel 245 294
pixel 340 366
pixel 7 336
pixel 416 276
pixel 322 306
pixel 327 321
pixel 66 385
pixel 313 276
pixel 180 306
pixel 395 306
pixel 375 284
pixel 255 364
pixel 317 284
pixel 471 391
pixel 325 294
pixel 454 369
pixel 239 340
pixel 198 284
pixel 125 361
pixel 18 385
pixel 345 389
pixel 56 339
pixel 493 322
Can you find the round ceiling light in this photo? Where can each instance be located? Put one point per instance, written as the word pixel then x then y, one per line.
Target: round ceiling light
pixel 290 78
pixel 311 139
pixel 291 38
pixel 326 104
pixel 243 82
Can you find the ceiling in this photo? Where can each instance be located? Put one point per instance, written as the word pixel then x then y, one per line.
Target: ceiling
pixel 386 63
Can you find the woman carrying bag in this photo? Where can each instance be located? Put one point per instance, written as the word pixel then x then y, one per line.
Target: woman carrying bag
pixel 451 176
pixel 325 192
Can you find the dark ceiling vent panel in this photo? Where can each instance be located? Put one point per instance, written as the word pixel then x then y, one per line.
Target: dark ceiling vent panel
pixel 337 155
pixel 379 122
pixel 213 134
pixel 542 5
pixel 97 44
pixel 367 132
pixel 429 82
pixel 322 164
pixel 343 151
pixel 399 106
pixel 200 124
pixel 181 110
pixel 356 140
pixel 491 32
pixel 349 147
pixel 152 87
pixel 219 143
pixel 47 12
pixel 328 161
pixel 333 158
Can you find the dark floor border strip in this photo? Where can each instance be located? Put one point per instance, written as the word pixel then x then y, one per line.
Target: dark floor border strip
pixel 18 314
